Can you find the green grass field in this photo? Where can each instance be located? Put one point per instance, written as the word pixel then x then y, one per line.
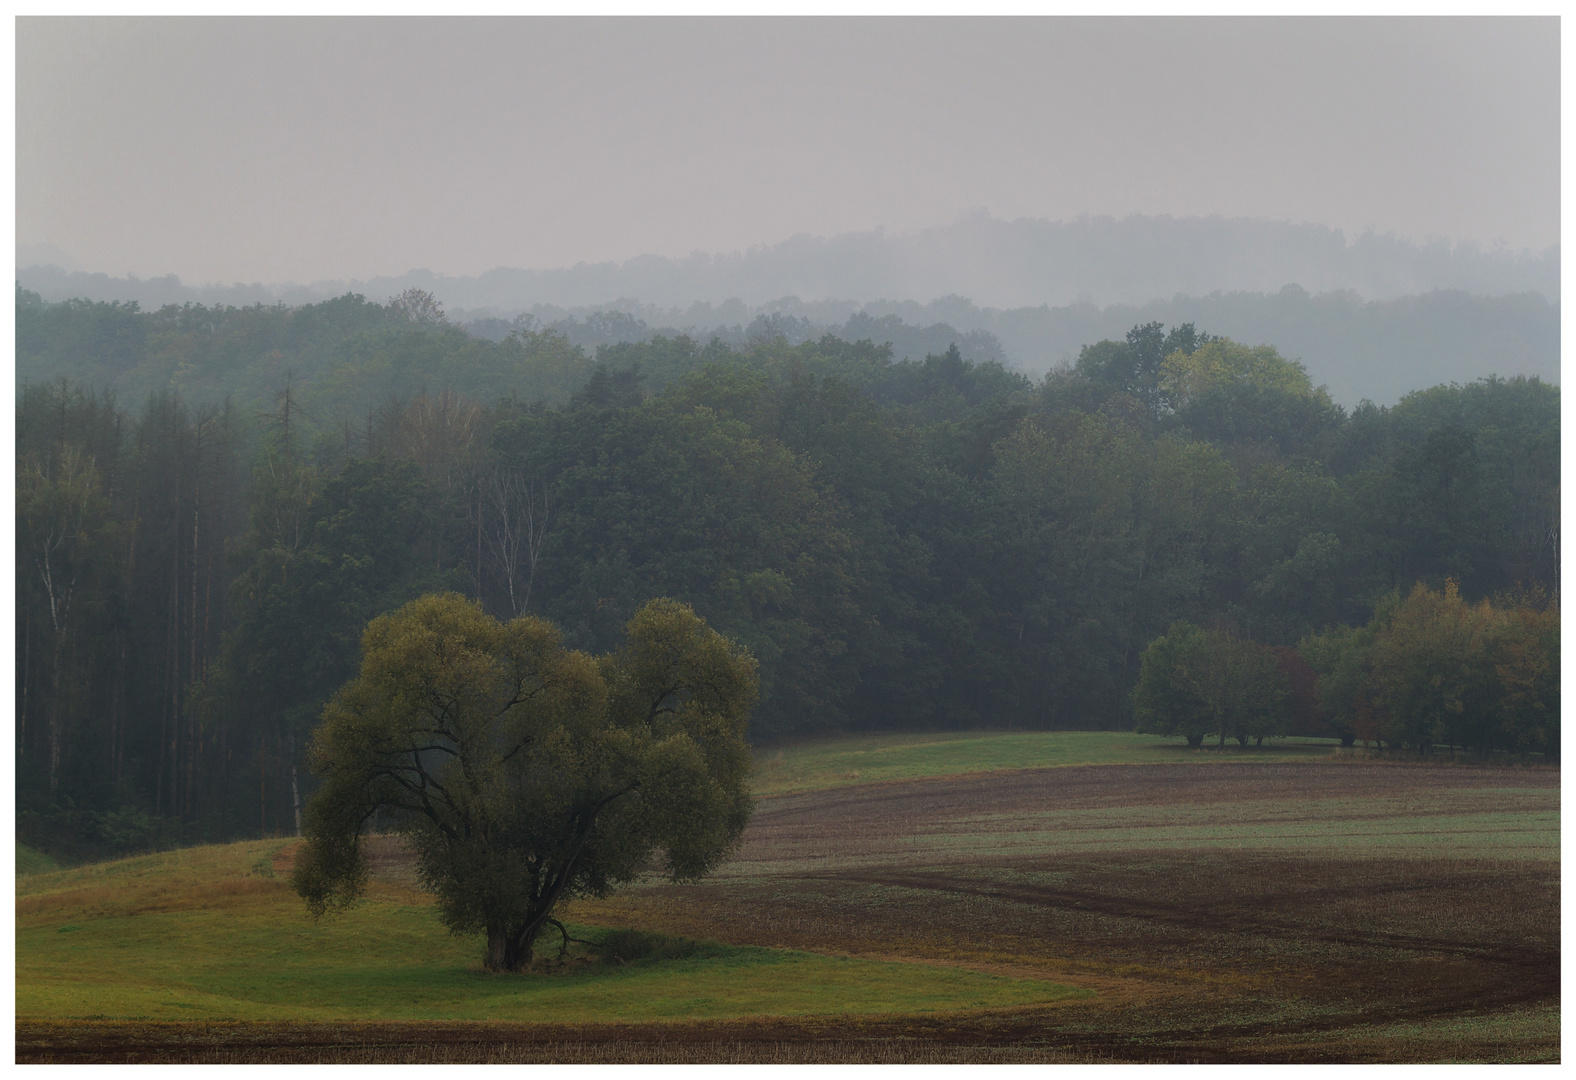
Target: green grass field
pixel 864 759
pixel 29 861
pixel 208 933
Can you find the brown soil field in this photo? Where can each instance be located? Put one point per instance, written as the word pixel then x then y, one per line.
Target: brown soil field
pixel 1302 912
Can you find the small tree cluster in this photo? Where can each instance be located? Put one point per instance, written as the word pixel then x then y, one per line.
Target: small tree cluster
pixel 1434 670
pixel 1194 682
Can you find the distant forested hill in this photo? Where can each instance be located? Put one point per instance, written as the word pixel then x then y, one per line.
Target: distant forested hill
pixel 1378 350
pixel 998 263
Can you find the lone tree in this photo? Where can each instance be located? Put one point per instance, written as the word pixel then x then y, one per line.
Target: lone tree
pixel 523 773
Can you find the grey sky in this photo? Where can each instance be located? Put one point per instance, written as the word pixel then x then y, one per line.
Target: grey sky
pixel 271 150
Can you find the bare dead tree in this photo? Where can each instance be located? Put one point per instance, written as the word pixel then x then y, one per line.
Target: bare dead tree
pixel 434 431
pixel 56 510
pixel 517 511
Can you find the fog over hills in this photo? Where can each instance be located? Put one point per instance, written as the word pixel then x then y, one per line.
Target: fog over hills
pixel 996 263
pixel 1374 349
pixel 1374 316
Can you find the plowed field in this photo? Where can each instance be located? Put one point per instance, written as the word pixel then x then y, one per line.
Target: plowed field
pixel 1278 912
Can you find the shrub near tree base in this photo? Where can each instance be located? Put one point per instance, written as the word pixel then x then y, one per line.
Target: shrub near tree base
pixel 523 773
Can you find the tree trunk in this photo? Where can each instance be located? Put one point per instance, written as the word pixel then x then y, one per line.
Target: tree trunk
pixel 21 716
pixel 117 707
pixel 262 784
pixel 510 950
pixel 169 729
pixel 193 739
pixel 54 720
pixel 497 947
pixel 295 786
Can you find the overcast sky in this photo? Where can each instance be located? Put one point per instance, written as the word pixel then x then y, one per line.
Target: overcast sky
pixel 280 150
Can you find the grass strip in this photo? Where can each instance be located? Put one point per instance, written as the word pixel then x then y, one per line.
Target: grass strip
pixel 864 759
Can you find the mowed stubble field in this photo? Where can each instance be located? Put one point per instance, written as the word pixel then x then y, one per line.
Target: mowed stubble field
pixel 1293 907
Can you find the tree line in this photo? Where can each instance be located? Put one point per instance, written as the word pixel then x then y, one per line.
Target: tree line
pixel 1428 670
pixel 900 544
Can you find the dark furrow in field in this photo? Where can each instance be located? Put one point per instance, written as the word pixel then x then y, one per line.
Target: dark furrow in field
pixel 1286 942
pixel 1209 915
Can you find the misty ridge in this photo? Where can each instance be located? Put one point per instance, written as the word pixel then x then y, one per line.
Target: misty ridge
pixel 1374 318
pixel 996 263
pixel 1374 350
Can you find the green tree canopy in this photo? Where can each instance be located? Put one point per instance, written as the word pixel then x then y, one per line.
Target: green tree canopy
pixel 1192 682
pixel 1186 375
pixel 1165 702
pixel 523 773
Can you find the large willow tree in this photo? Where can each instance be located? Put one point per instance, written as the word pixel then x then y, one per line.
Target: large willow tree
pixel 523 773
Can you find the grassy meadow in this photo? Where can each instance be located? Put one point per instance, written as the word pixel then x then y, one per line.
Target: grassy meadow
pixel 864 759
pixel 31 861
pixel 215 933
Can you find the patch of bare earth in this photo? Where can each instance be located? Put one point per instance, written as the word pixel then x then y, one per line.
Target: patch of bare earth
pixel 1207 951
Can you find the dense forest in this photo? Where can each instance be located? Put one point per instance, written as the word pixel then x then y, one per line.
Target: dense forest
pixel 1358 348
pixel 902 544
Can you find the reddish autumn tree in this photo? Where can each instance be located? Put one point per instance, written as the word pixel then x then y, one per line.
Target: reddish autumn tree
pixel 1306 716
